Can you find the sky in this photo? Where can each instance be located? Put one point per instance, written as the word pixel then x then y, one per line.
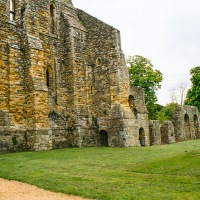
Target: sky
pixel 167 32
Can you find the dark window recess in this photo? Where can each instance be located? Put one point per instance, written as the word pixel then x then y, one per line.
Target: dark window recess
pixel 52 18
pixel 47 78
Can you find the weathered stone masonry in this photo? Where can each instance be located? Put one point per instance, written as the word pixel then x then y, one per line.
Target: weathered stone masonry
pixel 184 126
pixel 63 80
pixel 186 123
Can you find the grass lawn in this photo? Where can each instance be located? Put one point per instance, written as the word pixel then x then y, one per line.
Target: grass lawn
pixel 156 172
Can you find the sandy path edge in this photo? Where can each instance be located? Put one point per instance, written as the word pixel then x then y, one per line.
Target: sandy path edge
pixel 13 190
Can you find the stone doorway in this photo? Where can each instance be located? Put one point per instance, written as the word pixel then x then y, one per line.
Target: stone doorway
pixel 187 127
pixel 196 126
pixel 142 137
pixel 103 135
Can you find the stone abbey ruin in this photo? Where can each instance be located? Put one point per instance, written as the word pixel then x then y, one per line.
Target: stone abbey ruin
pixel 64 83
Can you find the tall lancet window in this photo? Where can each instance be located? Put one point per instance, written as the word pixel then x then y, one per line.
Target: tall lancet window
pixel 52 18
pixel 12 10
pixel 47 78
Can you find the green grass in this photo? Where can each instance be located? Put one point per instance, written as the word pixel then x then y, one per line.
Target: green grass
pixel 157 172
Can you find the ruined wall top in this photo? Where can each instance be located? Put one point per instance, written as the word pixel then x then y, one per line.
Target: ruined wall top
pixel 62 1
pixel 66 1
pixel 138 94
pixel 181 111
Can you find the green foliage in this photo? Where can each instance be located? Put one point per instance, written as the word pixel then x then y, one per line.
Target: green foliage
pixel 159 107
pixel 155 172
pixel 142 74
pixel 166 113
pixel 193 94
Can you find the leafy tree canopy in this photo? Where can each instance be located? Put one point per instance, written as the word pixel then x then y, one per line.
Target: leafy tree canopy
pixel 193 94
pixel 166 113
pixel 141 73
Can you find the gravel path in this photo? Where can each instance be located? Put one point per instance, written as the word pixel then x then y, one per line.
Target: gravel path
pixel 13 190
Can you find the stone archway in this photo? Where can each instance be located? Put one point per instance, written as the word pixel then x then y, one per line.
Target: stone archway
pixel 196 126
pixel 103 136
pixel 142 137
pixel 187 127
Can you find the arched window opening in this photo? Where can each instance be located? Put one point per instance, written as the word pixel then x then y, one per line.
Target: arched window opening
pixel 187 127
pixel 103 138
pixel 142 137
pixel 196 126
pixel 47 78
pixel 131 102
pixel 12 10
pixel 52 17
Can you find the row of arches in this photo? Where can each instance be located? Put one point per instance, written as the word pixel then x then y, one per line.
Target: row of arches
pixel 103 135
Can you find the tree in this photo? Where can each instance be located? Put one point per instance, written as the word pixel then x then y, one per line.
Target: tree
pixel 178 93
pixel 167 112
pixel 193 94
pixel 141 73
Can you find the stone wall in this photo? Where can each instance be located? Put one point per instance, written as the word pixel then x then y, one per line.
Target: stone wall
pixel 186 123
pixel 138 107
pixel 63 80
pixel 64 83
pixel 108 83
pixel 154 132
pixel 167 133
pixel 185 126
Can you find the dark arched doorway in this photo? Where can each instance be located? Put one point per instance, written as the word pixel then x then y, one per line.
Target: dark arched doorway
pixel 142 137
pixel 187 127
pixel 196 126
pixel 103 135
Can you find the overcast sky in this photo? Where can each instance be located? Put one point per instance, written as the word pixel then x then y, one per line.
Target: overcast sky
pixel 167 32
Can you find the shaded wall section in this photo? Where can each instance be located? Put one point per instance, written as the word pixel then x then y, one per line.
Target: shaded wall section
pixel 154 132
pixel 186 123
pixel 167 133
